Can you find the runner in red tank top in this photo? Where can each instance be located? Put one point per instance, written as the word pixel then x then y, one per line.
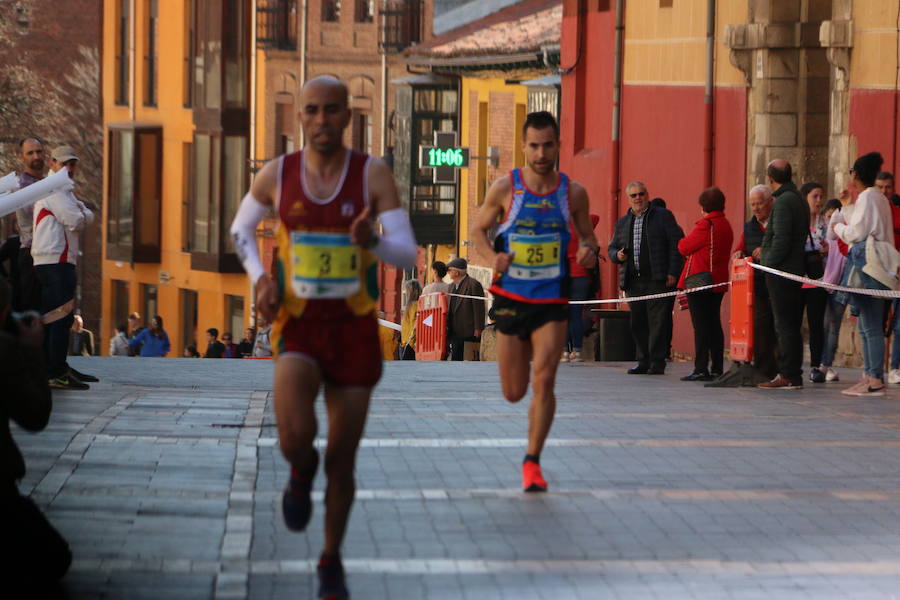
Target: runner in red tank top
pixel 322 301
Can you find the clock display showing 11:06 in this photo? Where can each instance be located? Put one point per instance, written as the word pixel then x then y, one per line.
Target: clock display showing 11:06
pixel 451 157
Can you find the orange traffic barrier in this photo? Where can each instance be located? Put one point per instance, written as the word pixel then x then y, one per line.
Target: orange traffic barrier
pixel 431 327
pixel 742 310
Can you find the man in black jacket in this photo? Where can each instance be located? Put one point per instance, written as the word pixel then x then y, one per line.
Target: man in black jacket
pixel 465 320
pixel 783 248
pixel 645 246
pixel 37 555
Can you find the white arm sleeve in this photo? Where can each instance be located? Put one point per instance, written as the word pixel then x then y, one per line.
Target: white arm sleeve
pixel 398 245
pixel 243 231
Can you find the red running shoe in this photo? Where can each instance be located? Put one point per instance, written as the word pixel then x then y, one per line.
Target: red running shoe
pixel 532 479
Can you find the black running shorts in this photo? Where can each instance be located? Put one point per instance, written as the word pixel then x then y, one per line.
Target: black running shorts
pixel 521 319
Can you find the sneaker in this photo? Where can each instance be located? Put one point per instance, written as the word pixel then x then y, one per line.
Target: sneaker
pixel 871 392
pixel 816 375
pixel 564 357
pixel 857 388
pixel 575 356
pixel 68 382
pixel 831 375
pixel 296 501
pixel 780 383
pixel 639 369
pixel 532 479
pixel 894 376
pixel 83 377
pixel 332 584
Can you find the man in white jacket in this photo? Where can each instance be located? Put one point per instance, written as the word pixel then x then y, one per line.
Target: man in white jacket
pixel 58 220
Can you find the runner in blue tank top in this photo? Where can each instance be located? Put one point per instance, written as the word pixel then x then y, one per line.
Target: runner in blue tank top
pixel 534 206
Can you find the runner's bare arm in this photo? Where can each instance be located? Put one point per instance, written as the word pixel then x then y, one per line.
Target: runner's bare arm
pixel 398 244
pixel 488 215
pixel 579 207
pixel 258 201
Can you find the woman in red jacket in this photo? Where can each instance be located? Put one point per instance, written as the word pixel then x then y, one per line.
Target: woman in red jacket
pixel 707 250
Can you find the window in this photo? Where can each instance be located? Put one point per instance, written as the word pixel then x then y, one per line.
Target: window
pixel 365 11
pixel 188 318
pixel 190 49
pixel 208 55
pixel 205 196
pixel 401 24
pixel 186 193
pixel 123 34
pixel 119 304
pixel 235 184
pixel 134 194
pixel 331 10
pixel 362 132
pixel 149 302
pixel 276 24
pixel 234 308
pixel 235 45
pixel 284 128
pixel 151 8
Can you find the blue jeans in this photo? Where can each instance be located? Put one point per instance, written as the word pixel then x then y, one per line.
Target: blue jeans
pixel 895 345
pixel 581 290
pixel 834 315
pixel 871 316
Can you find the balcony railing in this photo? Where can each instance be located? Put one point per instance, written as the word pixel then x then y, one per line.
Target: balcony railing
pixel 276 24
pixel 401 24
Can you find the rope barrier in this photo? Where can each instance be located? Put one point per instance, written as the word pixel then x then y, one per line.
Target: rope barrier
pixel 826 285
pixel 626 299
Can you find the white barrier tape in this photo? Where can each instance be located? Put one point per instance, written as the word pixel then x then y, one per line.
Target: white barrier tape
pixel 626 299
pixel 390 325
pixel 829 286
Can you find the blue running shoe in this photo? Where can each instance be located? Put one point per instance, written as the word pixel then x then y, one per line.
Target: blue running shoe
pixel 332 585
pixel 296 502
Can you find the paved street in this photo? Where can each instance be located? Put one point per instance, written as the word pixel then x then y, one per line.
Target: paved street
pixel 166 480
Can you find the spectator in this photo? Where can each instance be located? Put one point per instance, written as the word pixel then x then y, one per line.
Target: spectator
pixel 815 299
pixel 885 184
pixel 707 250
pixel 658 203
pixel 438 272
pixel 583 287
pixel 153 341
pixel 765 342
pixel 245 348
pixel 36 554
pixel 262 347
pixel 135 326
pixel 214 348
pixel 118 345
pixel 412 289
pixel 874 262
pixel 834 310
pixel 231 349
pixel 190 351
pixel 58 220
pixel 387 338
pixel 783 249
pixel 28 294
pixel 465 319
pixel 645 246
pixel 81 340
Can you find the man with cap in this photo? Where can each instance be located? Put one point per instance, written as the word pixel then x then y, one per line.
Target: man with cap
pixel 465 319
pixel 58 221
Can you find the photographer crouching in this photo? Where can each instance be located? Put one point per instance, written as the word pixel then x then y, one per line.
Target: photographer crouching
pixel 37 555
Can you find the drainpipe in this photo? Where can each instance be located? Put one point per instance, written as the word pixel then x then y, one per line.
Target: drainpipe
pixel 132 58
pixel 252 148
pixel 304 16
pixel 708 105
pixel 615 144
pixel 384 103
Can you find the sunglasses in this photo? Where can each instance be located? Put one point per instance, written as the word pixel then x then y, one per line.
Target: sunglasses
pixel 637 194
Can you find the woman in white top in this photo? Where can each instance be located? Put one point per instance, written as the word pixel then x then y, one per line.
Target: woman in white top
pixel 871 218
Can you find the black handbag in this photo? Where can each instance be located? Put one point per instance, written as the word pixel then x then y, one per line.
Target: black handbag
pixel 703 278
pixel 815 266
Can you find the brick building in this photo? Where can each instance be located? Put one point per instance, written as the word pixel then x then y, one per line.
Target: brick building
pixel 50 78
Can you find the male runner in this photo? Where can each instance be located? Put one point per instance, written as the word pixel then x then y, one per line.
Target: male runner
pixel 322 301
pixel 531 277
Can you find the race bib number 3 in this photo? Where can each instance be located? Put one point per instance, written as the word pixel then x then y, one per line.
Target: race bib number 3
pixel 536 257
pixel 325 265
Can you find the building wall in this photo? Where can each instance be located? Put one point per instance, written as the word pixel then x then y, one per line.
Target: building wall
pixel 662 117
pixel 177 130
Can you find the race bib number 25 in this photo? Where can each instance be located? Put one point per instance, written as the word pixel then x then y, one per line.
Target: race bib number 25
pixel 324 265
pixel 536 256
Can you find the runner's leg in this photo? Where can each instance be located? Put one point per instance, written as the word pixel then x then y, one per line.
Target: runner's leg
pixel 513 356
pixel 547 341
pixel 347 412
pixel 297 383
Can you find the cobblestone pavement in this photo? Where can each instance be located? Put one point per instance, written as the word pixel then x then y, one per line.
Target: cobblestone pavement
pixel 166 476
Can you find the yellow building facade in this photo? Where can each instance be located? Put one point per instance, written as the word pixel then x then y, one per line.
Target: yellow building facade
pixel 177 105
